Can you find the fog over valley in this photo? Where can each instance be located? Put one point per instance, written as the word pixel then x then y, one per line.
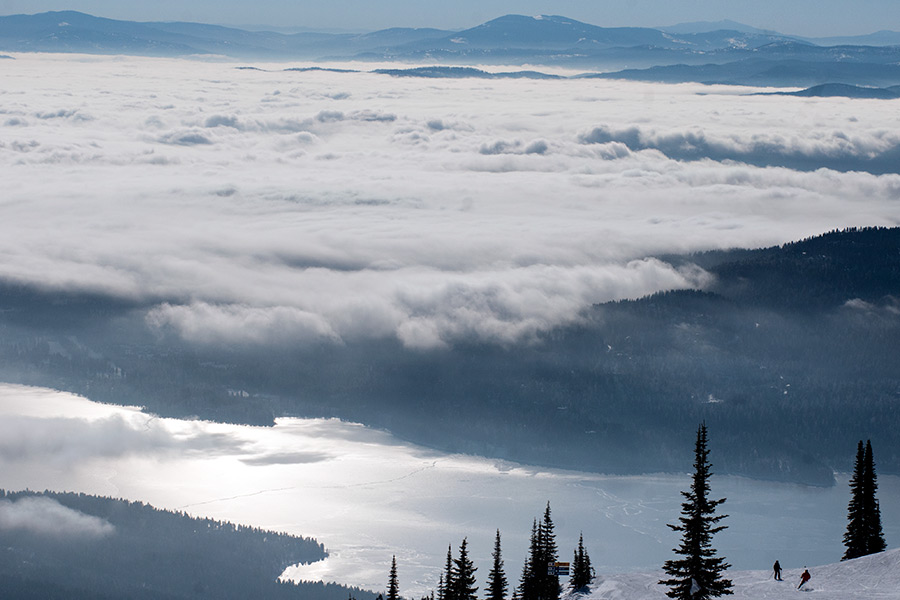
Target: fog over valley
pixel 248 206
pixel 202 239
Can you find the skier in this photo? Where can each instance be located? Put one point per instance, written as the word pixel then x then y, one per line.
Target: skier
pixel 804 578
pixel 777 568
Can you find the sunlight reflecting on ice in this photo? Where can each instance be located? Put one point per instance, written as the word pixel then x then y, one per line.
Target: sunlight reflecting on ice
pixel 368 496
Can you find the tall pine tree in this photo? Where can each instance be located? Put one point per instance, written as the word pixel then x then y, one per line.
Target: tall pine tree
pixel 582 571
pixel 539 578
pixel 864 534
pixel 527 589
pixel 393 592
pixel 496 581
pixel 699 563
pixel 855 536
pixel 445 586
pixel 549 590
pixel 874 534
pixel 463 578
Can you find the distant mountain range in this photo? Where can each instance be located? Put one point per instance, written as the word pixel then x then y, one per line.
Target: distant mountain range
pixel 831 90
pixel 719 52
pixel 778 71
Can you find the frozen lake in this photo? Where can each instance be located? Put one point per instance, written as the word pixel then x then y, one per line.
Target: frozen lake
pixel 367 495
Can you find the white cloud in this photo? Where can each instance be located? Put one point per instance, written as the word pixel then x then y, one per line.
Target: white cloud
pixel 66 441
pixel 47 517
pixel 316 206
pixel 207 323
pixel 876 151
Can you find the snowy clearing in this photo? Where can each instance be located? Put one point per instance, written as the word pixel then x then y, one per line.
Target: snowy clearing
pixel 872 577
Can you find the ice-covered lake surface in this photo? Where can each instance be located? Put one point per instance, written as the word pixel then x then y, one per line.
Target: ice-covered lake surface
pixel 368 496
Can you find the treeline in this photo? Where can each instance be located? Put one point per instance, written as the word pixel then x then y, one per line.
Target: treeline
pixel 696 572
pixel 540 578
pixel 153 554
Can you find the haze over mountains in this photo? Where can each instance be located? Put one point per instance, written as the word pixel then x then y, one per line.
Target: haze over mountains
pixel 721 52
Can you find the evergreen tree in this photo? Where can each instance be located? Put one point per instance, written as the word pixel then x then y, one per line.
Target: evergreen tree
pixel 874 534
pixel 582 571
pixel 445 587
pixel 539 579
pixel 855 536
pixel 698 523
pixel 864 534
pixel 528 583
pixel 549 588
pixel 464 587
pixel 393 592
pixel 496 581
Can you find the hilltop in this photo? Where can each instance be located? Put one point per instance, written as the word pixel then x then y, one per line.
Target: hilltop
pixel 874 577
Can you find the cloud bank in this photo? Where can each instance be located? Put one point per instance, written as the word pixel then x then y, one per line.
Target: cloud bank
pixel 48 518
pixel 65 441
pixel 873 152
pixel 257 207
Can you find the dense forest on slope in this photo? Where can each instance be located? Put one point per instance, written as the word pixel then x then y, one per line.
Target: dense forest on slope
pixel 132 550
pixel 792 353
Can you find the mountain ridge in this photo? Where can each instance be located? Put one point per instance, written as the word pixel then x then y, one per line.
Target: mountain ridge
pixel 698 52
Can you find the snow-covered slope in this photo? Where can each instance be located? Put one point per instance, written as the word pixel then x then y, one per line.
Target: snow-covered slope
pixel 875 577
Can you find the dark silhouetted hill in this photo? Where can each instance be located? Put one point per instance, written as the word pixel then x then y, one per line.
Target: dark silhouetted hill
pixel 148 553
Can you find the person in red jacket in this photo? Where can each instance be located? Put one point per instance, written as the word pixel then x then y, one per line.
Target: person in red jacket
pixel 804 578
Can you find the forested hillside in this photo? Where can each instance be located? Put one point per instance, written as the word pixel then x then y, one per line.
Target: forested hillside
pixel 792 353
pixel 66 545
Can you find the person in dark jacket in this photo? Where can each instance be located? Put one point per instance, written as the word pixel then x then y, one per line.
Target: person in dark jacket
pixel 777 568
pixel 804 578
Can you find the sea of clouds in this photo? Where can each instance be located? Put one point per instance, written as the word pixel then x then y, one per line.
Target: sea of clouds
pixel 260 206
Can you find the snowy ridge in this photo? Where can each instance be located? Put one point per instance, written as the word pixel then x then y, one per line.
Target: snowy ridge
pixel 875 577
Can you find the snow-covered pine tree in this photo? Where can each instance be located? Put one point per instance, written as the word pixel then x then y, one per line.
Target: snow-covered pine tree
pixel 464 587
pixel 698 523
pixel 393 592
pixel 582 571
pixel 496 581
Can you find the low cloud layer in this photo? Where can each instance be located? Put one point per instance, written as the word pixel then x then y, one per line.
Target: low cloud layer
pixel 63 441
pixel 318 207
pixel 874 152
pixel 48 518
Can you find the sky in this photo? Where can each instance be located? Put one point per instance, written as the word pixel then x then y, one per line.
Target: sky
pixel 798 17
